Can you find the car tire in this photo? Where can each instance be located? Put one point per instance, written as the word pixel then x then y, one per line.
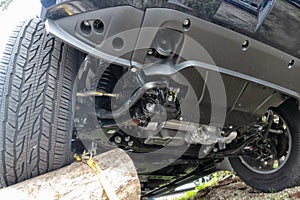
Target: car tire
pixel 37 74
pixel 288 175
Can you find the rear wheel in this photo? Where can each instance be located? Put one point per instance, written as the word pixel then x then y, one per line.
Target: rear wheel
pixel 37 74
pixel 280 167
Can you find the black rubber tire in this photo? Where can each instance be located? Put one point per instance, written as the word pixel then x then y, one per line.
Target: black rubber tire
pixel 37 74
pixel 289 174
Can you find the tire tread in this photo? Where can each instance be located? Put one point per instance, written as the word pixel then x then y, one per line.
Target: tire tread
pixel 36 80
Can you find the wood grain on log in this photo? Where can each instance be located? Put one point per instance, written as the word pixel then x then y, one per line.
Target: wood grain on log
pixel 79 181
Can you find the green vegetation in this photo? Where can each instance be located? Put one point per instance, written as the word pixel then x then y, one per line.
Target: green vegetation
pixel 189 195
pixel 215 178
pixel 4 4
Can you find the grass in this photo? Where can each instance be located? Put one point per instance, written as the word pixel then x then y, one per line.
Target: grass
pixel 216 177
pixel 4 4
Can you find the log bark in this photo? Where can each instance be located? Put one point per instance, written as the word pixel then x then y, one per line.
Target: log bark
pixel 80 181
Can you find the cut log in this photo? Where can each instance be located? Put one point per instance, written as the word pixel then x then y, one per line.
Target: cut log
pixel 117 178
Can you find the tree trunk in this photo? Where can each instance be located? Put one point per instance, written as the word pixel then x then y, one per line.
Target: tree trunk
pixel 117 178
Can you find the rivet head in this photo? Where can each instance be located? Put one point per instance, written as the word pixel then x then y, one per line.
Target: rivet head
pixel 186 22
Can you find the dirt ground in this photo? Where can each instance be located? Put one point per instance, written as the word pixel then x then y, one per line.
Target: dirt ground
pixel 235 189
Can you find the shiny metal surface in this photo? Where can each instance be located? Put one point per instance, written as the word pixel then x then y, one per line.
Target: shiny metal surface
pixel 276 23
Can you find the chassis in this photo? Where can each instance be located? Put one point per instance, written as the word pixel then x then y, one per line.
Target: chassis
pixel 181 85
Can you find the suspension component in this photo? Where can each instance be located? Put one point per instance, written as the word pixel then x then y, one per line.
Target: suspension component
pixel 195 133
pixel 104 114
pixel 97 94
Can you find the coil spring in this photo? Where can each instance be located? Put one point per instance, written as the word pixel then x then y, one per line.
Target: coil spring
pixel 107 81
pixel 109 78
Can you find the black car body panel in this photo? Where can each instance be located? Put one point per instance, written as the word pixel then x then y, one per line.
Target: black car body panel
pixel 280 29
pixel 226 32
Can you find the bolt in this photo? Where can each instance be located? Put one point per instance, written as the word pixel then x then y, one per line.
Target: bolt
pixel 127 138
pixel 170 98
pixel 118 139
pixel 150 107
pixel 130 143
pixel 186 22
pixel 150 52
pixel 133 69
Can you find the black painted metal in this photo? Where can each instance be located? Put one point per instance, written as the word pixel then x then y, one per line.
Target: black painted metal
pixel 280 29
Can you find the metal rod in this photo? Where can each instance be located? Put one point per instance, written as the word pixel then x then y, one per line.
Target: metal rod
pixel 95 93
